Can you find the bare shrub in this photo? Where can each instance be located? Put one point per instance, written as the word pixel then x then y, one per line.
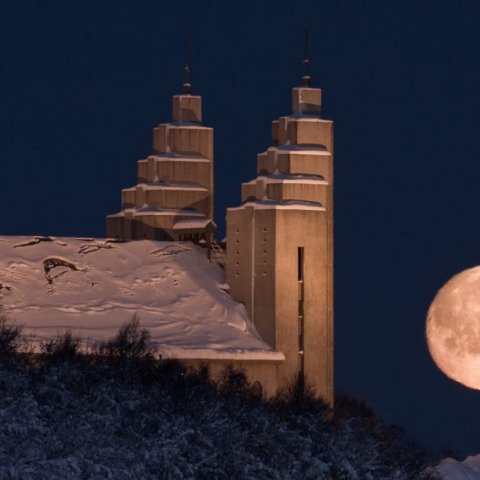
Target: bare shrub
pixel 11 339
pixel 349 407
pixel 131 342
pixel 235 384
pixel 63 349
pixel 129 355
pixel 299 397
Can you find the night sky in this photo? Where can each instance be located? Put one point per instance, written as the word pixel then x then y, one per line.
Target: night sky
pixel 83 83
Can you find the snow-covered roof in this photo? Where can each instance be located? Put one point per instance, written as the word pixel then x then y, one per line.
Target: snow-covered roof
pixel 160 185
pixel 267 204
pixel 169 156
pixel 192 223
pixel 151 210
pixel 286 178
pixel 300 149
pixel 307 118
pixel 92 286
pixel 194 125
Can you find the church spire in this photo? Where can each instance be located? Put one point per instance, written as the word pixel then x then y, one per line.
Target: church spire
pixel 187 87
pixel 306 62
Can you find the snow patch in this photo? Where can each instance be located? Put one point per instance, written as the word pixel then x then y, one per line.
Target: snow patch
pixel 92 286
pixel 450 469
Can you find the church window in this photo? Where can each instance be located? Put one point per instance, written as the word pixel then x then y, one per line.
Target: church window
pixel 301 312
pixel 300 264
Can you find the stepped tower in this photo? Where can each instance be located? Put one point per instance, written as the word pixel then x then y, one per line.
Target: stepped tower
pixel 173 199
pixel 279 257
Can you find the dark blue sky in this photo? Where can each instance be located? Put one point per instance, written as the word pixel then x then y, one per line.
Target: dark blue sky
pixel 83 83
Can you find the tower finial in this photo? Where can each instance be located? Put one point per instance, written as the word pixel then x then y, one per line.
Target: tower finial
pixel 187 87
pixel 306 62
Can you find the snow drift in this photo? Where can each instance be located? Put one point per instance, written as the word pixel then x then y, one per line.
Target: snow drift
pixel 450 469
pixel 92 286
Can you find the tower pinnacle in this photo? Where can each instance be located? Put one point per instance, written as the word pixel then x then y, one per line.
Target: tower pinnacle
pixel 187 87
pixel 306 62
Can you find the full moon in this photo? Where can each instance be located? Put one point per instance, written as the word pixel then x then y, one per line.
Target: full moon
pixel 453 328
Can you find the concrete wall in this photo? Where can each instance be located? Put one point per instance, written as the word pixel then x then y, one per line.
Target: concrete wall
pixel 296 162
pixel 183 171
pixel 305 131
pixel 314 163
pixel 141 225
pixel 187 108
pixel 249 191
pixel 265 286
pixel 238 261
pixel 188 140
pixel 117 227
pixel 307 229
pixel 142 171
pixel 129 198
pixel 310 192
pixel 306 101
pixel 262 270
pixel 175 198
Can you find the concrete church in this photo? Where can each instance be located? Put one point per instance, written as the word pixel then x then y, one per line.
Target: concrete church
pixel 279 253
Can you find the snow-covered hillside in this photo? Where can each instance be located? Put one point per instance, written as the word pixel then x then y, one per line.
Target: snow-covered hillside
pixel 92 286
pixel 450 469
pixel 77 422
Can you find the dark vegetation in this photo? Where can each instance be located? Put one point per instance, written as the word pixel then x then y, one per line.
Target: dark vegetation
pixel 115 411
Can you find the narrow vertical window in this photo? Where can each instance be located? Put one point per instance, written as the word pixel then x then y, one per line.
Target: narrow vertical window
pixel 301 319
pixel 300 264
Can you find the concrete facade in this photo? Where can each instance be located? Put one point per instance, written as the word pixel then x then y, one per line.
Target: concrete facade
pixel 279 257
pixel 173 199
